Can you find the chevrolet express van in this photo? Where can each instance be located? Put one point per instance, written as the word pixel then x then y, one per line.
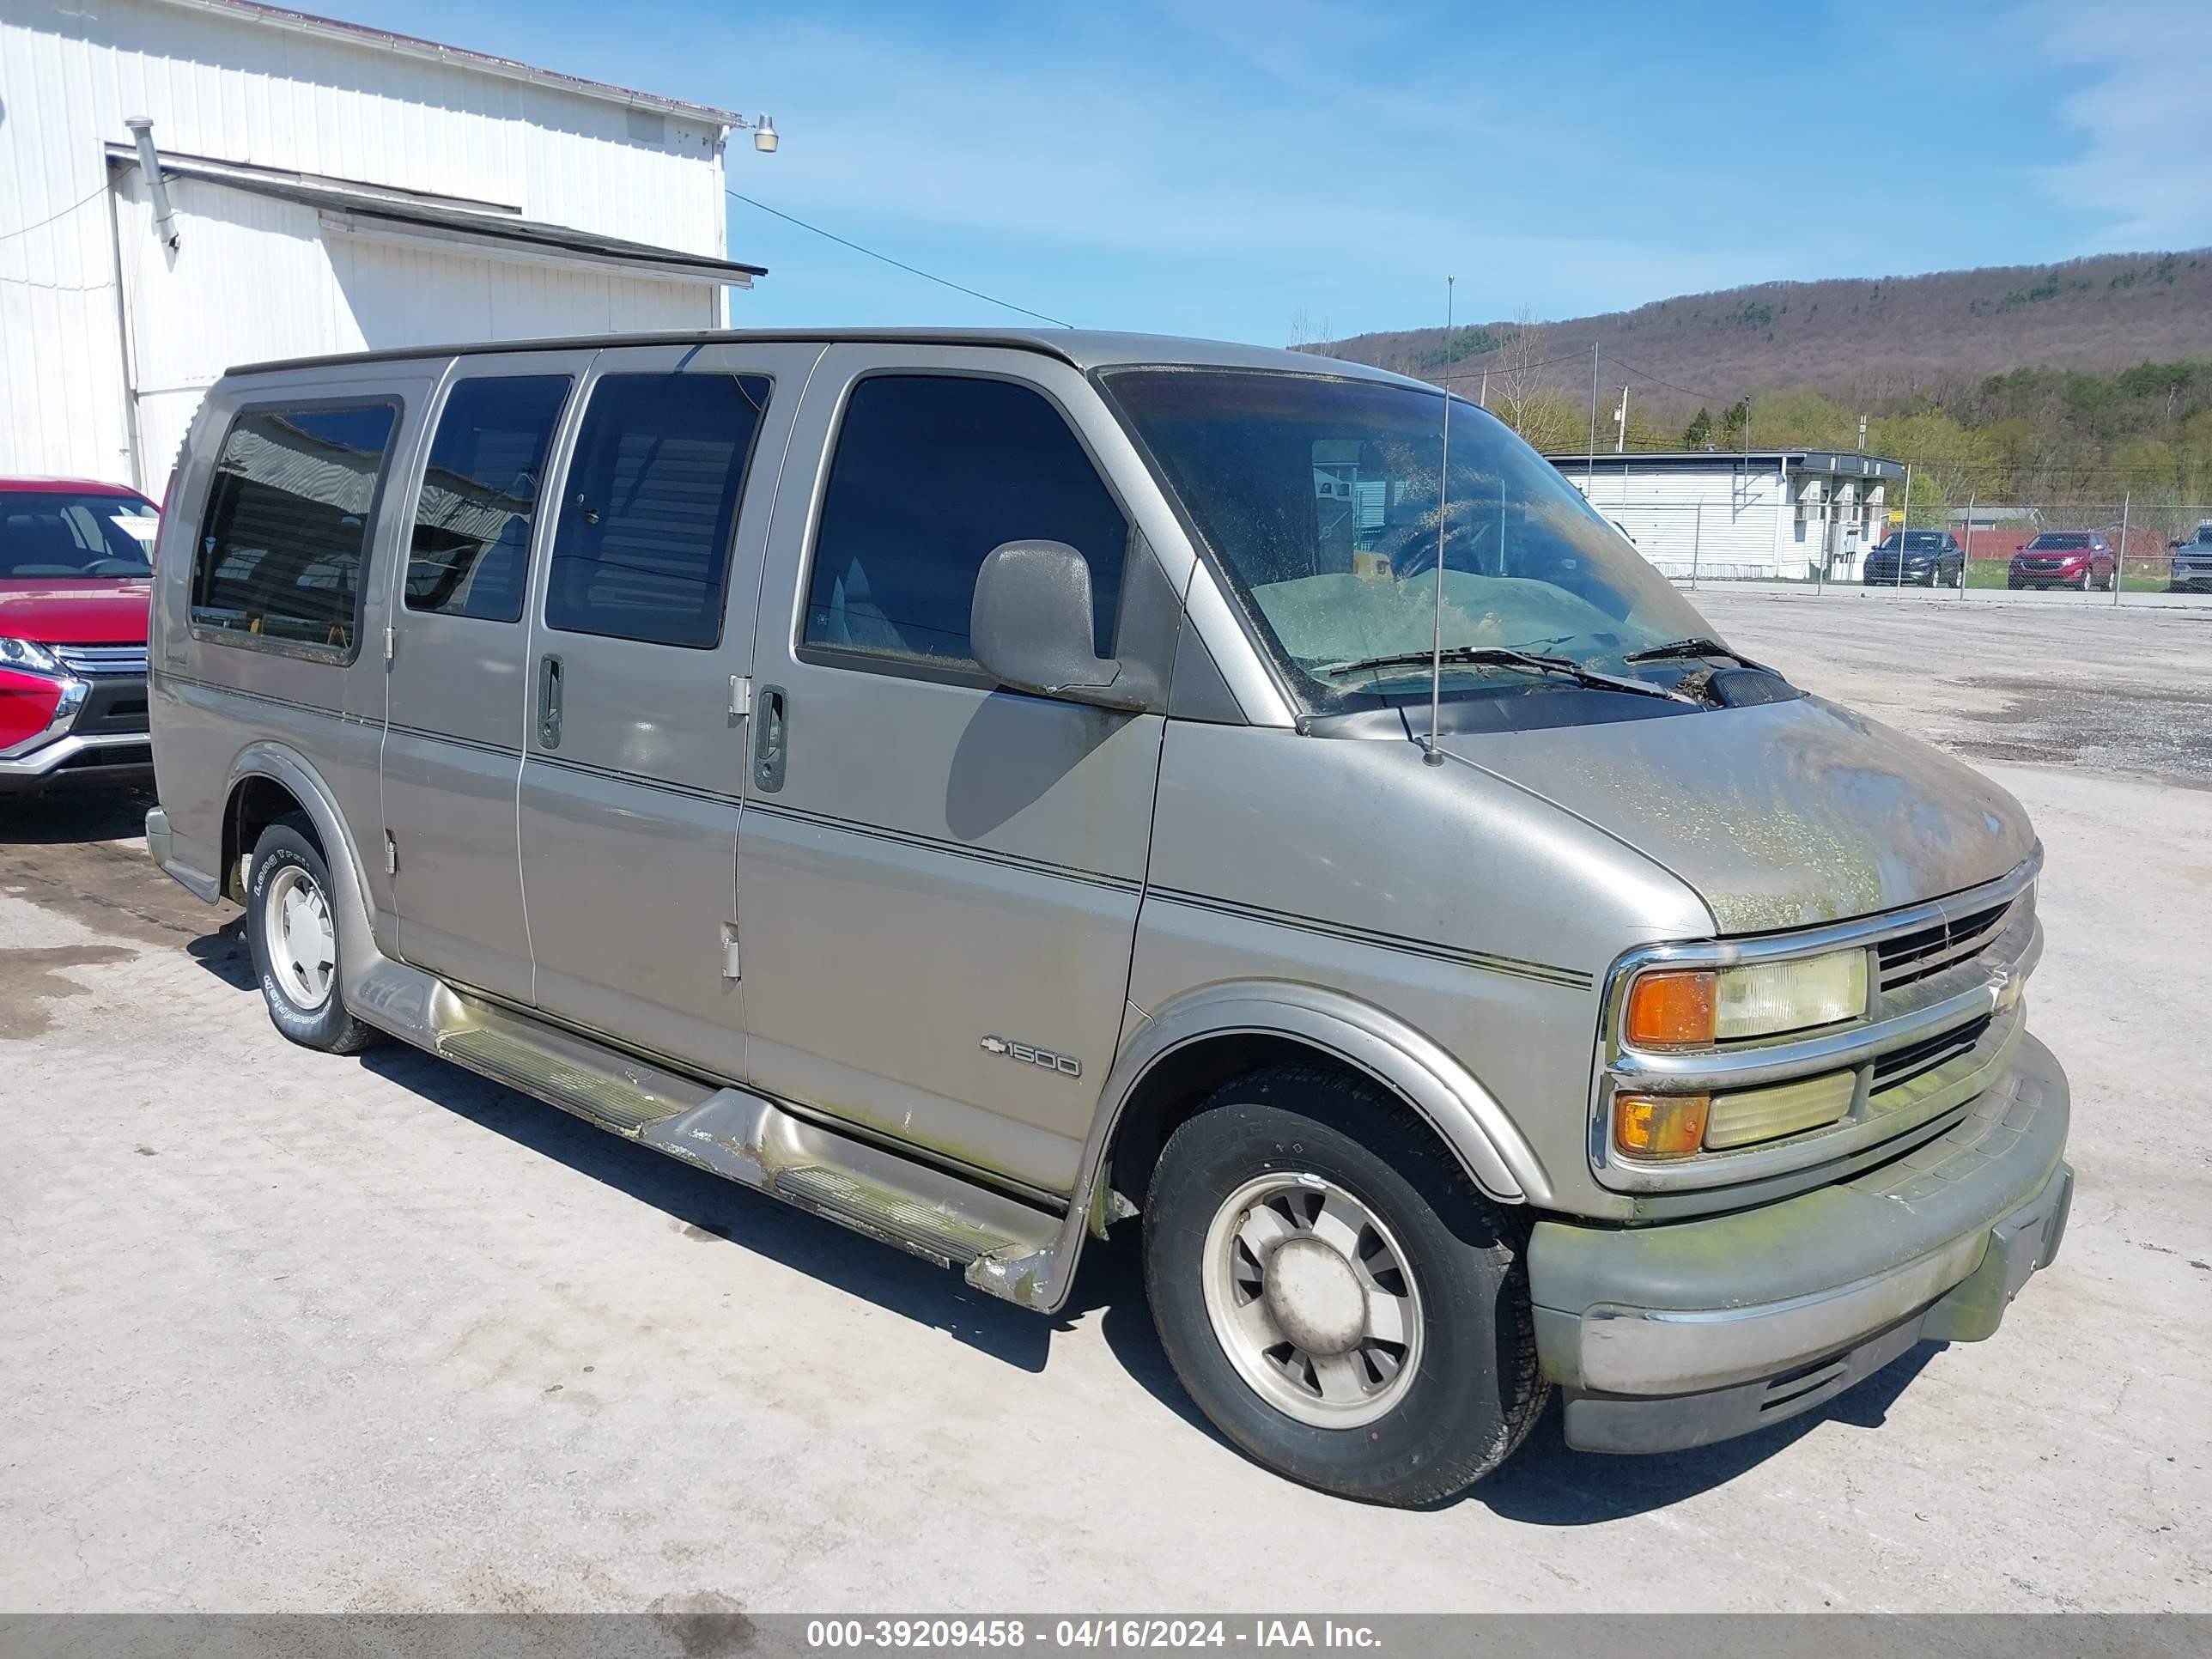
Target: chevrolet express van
pixel 982 787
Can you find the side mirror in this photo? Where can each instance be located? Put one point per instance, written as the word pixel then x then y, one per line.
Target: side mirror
pixel 1029 627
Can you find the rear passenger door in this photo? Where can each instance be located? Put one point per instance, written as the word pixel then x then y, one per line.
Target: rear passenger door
pixel 459 668
pixel 639 658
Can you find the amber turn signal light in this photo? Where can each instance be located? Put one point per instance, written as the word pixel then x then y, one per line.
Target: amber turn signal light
pixel 1672 1009
pixel 1659 1126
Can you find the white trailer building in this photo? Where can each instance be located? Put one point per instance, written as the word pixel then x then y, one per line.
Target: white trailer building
pixel 1786 513
pixel 322 187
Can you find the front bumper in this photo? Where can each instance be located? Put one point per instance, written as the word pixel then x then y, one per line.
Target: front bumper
pixel 98 734
pixel 1682 1334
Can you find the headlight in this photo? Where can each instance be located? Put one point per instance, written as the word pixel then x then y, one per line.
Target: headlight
pixel 28 654
pixel 1693 1007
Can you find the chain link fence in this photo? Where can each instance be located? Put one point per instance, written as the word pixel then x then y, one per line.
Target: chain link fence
pixel 2127 551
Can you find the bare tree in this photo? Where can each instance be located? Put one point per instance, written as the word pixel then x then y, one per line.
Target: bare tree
pixel 1516 377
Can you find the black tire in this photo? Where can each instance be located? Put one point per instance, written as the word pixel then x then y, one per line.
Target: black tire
pixel 1476 1391
pixel 328 1025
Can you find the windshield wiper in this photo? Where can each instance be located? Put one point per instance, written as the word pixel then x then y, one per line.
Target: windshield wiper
pixel 1506 657
pixel 1697 645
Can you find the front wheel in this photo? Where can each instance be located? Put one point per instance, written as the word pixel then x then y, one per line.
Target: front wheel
pixel 292 926
pixel 1335 1295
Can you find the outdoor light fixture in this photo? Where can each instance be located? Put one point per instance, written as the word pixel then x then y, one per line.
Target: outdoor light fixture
pixel 764 136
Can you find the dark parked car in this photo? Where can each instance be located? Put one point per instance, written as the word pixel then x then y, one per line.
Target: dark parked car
pixel 2064 558
pixel 2192 561
pixel 1929 558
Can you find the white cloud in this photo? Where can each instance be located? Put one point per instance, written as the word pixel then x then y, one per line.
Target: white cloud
pixel 2146 163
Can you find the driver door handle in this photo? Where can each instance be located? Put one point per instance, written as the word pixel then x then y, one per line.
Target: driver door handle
pixel 549 701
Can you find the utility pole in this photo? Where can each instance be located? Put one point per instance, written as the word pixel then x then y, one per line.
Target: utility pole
pixel 1590 474
pixel 1904 524
pixel 1621 420
pixel 1967 559
pixel 1482 399
pixel 2120 558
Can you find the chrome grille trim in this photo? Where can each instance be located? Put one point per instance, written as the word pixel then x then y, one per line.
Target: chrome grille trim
pixel 100 660
pixel 1913 957
pixel 1901 1066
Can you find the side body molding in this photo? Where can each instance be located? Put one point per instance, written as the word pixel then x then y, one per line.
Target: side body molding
pixel 1464 1114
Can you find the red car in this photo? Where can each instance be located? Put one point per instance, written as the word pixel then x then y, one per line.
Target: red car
pixel 75 561
pixel 2063 558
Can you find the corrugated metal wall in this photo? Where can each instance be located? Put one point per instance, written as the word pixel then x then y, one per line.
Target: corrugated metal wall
pixel 257 278
pixel 1726 523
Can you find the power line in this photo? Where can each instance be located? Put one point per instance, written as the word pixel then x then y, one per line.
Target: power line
pixel 25 230
pixel 1688 392
pixel 912 271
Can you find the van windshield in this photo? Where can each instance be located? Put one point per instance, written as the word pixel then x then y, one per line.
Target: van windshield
pixel 1318 496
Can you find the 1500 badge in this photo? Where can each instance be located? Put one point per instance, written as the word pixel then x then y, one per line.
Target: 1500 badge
pixel 1065 1064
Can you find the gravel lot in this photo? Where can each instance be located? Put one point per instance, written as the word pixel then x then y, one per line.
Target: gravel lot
pixel 283 1332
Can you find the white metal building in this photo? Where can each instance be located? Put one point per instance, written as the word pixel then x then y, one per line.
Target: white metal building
pixel 1766 513
pixel 328 188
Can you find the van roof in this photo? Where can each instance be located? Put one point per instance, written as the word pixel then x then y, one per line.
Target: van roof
pixel 1082 348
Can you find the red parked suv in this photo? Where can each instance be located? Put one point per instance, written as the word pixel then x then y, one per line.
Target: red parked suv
pixel 75 561
pixel 2063 558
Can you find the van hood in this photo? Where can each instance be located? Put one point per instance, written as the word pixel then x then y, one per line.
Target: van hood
pixel 1782 815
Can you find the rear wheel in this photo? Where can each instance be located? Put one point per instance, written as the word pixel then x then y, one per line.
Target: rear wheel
pixel 292 926
pixel 1335 1295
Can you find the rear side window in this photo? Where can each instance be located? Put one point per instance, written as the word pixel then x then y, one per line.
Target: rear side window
pixel 471 552
pixel 288 525
pixel 931 473
pixel 643 548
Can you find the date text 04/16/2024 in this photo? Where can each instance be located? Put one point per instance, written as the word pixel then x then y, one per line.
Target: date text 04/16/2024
pixel 921 1634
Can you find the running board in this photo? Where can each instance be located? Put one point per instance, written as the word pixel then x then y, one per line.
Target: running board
pixel 596 1084
pixel 1004 1246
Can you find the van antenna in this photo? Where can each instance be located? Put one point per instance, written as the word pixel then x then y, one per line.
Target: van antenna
pixel 1434 755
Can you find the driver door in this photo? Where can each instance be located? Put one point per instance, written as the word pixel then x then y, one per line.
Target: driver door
pixel 940 878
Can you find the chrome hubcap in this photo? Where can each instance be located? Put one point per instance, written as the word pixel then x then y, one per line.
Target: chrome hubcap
pixel 302 945
pixel 1311 1297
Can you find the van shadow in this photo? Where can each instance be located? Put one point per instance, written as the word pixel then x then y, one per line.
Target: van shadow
pixel 711 1209
pixel 1549 1484
pixel 714 1210
pixel 1546 1484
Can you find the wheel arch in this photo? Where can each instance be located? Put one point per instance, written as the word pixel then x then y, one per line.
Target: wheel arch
pixel 268 780
pixel 1183 1051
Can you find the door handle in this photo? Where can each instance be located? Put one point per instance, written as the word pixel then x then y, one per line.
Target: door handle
pixel 771 738
pixel 549 701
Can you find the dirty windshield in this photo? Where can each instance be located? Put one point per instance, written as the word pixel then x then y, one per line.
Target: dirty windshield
pixel 1318 496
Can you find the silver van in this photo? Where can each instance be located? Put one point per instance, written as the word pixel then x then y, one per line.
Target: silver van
pixel 984 786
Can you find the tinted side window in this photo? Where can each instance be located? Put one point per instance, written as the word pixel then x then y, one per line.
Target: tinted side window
pixel 471 553
pixel 930 474
pixel 288 524
pixel 643 548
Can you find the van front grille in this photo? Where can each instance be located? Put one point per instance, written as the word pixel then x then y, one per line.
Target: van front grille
pixel 1903 1064
pixel 1915 956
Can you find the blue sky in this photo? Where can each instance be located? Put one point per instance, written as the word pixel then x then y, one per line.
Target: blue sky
pixel 1259 172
